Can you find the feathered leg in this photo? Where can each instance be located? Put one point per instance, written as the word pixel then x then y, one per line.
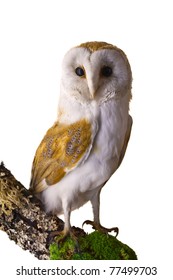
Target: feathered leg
pixel 67 231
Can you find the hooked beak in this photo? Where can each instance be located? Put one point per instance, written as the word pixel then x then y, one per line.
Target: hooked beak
pixel 92 85
pixel 92 94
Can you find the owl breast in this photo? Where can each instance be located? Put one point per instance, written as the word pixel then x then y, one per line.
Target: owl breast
pixel 110 138
pixel 77 187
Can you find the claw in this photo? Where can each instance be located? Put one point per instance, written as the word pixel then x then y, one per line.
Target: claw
pixel 88 222
pixel 62 236
pixel 100 227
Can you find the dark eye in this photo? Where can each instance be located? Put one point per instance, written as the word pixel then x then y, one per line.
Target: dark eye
pixel 106 71
pixel 79 71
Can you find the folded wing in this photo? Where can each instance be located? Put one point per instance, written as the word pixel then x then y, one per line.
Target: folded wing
pixel 62 149
pixel 126 140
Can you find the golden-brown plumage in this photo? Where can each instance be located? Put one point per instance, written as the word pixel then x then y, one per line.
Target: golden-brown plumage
pixel 62 148
pixel 95 46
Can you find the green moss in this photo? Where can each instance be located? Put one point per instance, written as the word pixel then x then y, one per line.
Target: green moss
pixel 94 246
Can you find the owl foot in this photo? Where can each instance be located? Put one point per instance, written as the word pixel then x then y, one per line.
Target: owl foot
pixel 57 234
pixel 61 237
pixel 100 228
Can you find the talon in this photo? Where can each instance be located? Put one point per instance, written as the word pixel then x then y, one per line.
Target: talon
pixel 62 236
pixel 100 227
pixel 88 222
pixel 62 239
pixel 52 235
pixel 115 229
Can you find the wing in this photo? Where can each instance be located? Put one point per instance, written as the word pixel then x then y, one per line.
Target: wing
pixel 126 140
pixel 62 149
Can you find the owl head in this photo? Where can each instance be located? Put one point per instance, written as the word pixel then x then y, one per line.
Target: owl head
pixel 95 71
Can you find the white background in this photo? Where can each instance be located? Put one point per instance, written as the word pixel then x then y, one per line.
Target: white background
pixel 34 36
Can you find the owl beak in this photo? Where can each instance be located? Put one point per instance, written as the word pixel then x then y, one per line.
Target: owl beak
pixel 92 89
pixel 92 94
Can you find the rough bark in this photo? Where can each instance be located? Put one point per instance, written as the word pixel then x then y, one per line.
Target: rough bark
pixel 23 218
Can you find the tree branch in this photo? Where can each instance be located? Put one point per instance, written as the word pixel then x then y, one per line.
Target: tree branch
pixel 22 216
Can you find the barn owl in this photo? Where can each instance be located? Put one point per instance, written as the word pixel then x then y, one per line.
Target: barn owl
pixel 87 142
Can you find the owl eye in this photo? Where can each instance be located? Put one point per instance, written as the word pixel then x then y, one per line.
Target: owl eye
pixel 106 71
pixel 79 71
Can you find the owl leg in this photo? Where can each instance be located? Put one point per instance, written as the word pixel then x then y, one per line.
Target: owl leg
pixel 95 201
pixel 67 231
pixel 62 234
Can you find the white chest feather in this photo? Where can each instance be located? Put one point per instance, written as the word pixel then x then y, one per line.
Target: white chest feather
pixel 109 122
pixel 112 128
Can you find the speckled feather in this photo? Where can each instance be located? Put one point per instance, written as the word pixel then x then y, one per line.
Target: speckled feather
pixel 61 150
